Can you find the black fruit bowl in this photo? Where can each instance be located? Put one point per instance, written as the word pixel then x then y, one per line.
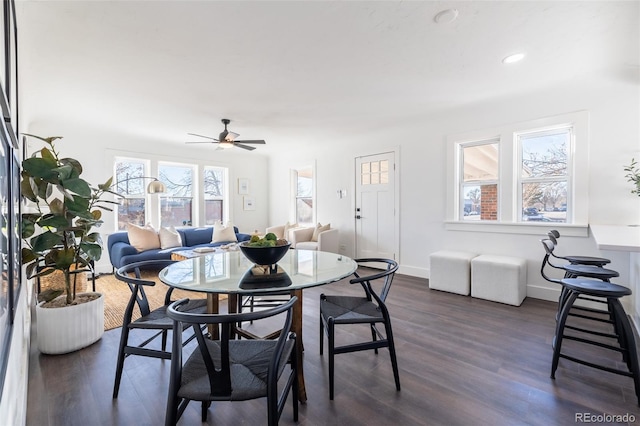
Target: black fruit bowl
pixel 265 256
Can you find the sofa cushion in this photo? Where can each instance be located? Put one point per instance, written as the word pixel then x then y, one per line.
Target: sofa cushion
pixel 169 238
pixel 288 227
pixel 194 236
pixel 143 238
pixel 318 229
pixel 222 233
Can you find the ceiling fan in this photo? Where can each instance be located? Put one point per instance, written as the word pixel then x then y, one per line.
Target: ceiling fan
pixel 227 139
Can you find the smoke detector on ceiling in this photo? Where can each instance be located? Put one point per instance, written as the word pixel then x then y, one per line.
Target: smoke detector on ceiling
pixel 446 16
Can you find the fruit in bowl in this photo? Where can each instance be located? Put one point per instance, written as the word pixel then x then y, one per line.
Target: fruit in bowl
pixel 266 251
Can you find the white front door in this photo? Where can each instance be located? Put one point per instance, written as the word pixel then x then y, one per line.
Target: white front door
pixel 376 225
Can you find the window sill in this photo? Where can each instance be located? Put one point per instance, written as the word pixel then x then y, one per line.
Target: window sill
pixel 519 228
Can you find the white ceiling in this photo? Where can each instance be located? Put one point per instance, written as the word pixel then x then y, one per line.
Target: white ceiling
pixel 284 70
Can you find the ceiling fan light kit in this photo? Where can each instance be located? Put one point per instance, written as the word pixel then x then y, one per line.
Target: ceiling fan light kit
pixel 226 139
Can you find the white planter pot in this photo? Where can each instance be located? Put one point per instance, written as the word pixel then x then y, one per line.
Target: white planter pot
pixel 67 329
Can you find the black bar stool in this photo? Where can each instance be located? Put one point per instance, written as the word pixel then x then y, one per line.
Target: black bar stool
pixel 577 260
pixel 622 328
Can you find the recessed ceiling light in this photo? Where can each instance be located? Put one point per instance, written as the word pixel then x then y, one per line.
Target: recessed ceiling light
pixel 516 57
pixel 446 16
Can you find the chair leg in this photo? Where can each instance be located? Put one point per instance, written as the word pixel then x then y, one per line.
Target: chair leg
pixel 374 336
pixel 205 408
pixel 120 363
pixel 392 353
pixel 295 386
pixel 171 416
pixel 330 338
pixel 164 339
pixel 321 335
pixel 557 340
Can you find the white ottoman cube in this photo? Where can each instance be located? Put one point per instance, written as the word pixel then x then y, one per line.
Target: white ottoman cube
pixel 499 278
pixel 451 271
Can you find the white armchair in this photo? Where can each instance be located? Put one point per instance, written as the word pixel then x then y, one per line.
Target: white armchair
pixel 328 240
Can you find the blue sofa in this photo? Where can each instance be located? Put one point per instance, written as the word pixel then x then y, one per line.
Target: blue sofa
pixel 121 252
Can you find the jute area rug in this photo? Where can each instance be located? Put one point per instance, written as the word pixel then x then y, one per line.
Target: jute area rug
pixel 116 296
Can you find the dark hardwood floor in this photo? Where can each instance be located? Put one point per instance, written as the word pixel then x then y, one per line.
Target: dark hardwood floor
pixel 462 361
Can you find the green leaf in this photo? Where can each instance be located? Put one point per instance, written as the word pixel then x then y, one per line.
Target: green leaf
pixel 27 229
pixel 92 250
pixel 64 172
pixel 27 190
pixel 27 255
pixel 75 165
pixel 57 207
pixel 48 140
pixel 48 155
pixel 54 221
pixel 79 206
pixel 45 241
pixel 41 167
pixel 78 186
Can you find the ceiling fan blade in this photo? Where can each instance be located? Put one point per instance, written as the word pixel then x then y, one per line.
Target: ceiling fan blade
pixel 252 141
pixel 201 136
pixel 239 145
pixel 231 136
pixel 202 142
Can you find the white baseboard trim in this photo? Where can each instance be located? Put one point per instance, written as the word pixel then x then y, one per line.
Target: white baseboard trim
pixel 414 271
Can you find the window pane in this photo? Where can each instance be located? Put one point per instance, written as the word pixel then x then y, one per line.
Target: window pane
pixel 175 211
pixel 480 202
pixel 304 210
pixel 178 180
pixel 366 179
pixel 384 177
pixel 480 162
pixel 384 166
pixel 305 186
pixel 375 178
pixel 213 183
pixel 212 211
pixel 544 154
pixel 375 166
pixel 131 211
pixel 544 202
pixel 125 177
pixel 365 167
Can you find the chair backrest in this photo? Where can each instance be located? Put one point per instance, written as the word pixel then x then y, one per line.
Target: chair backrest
pixel 387 275
pixel 220 375
pixel 130 274
pixel 548 248
pixel 554 233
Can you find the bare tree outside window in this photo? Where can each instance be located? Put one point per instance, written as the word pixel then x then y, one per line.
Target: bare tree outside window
pixel 544 175
pixel 176 205
pixel 132 208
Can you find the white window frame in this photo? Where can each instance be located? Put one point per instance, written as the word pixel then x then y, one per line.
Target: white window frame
pixel 294 192
pixel 147 205
pixel 461 182
pixel 569 177
pixel 225 193
pixel 196 190
pixel 509 204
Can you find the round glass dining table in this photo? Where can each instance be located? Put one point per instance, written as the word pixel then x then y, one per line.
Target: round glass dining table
pixel 231 273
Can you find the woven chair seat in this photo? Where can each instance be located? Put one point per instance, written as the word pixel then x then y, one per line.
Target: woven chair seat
pixel 158 319
pixel 346 309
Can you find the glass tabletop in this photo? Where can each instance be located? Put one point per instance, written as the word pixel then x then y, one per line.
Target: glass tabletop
pixel 232 272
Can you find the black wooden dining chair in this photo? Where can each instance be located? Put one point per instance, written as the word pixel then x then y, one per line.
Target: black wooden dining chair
pixel 367 309
pixel 155 320
pixel 232 370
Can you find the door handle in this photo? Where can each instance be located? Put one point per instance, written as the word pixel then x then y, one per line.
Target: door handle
pixel 357 216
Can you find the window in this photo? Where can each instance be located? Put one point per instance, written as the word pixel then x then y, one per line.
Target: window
pixel 127 184
pixel 374 172
pixel 214 184
pixel 530 173
pixel 544 174
pixel 176 205
pixel 479 181
pixel 303 190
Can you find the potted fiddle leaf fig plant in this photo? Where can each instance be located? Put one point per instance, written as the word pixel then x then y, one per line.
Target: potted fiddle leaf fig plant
pixel 59 238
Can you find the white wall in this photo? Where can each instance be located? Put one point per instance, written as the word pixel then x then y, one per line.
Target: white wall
pixel 613 107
